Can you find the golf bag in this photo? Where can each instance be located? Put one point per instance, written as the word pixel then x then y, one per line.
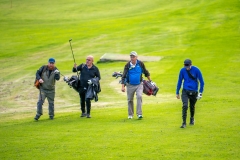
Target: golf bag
pixel 73 82
pixel 149 88
pixel 117 74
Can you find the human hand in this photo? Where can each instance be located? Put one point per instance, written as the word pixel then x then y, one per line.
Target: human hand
pixel 199 96
pixel 177 95
pixel 75 65
pixel 40 81
pixel 123 89
pixel 89 82
pixel 56 71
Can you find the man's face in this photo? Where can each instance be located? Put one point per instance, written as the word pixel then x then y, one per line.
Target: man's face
pixel 187 66
pixel 89 61
pixel 51 65
pixel 133 58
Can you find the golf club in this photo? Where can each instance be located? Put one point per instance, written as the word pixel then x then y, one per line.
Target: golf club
pixel 73 55
pixel 72 50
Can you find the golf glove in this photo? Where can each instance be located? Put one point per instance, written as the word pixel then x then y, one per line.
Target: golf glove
pixel 89 82
pixel 199 96
pixel 56 71
pixel 65 78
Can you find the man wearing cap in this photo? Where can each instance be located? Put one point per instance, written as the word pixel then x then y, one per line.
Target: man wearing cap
pixel 191 76
pixel 47 76
pixel 132 78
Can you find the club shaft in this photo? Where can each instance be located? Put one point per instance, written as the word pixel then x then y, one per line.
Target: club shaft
pixel 73 56
pixel 72 52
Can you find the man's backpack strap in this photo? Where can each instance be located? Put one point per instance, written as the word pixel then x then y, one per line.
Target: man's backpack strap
pixel 191 76
pixel 43 70
pixel 36 82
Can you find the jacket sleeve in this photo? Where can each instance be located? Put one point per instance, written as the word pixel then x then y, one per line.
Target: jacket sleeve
pixel 39 73
pixel 145 71
pixel 125 71
pixel 200 78
pixel 98 74
pixel 179 84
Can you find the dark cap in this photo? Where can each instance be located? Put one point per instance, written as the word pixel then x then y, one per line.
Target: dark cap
pixel 187 63
pixel 51 60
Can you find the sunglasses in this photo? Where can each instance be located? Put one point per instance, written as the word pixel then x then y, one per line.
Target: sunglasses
pixel 186 64
pixel 88 59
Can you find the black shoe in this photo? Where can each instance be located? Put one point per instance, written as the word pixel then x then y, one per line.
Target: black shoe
pixel 88 116
pixel 83 115
pixel 36 117
pixel 183 125
pixel 192 122
pixel 51 117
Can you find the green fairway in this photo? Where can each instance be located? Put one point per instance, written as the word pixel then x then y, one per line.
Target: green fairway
pixel 207 32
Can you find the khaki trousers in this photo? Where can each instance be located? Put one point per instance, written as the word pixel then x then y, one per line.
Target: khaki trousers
pixel 131 89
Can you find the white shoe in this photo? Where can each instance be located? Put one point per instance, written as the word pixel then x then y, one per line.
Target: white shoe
pixel 130 117
pixel 140 116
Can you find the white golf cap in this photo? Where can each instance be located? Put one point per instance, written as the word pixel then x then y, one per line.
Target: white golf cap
pixel 133 53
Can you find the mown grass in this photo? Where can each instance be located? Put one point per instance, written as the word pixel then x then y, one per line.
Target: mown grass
pixel 205 31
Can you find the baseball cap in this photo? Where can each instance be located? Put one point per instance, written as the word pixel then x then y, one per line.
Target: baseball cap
pixel 51 60
pixel 133 53
pixel 187 63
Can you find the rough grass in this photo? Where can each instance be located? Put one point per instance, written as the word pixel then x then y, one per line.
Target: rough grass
pixel 205 31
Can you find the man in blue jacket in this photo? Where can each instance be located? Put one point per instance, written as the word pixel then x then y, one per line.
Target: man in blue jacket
pixel 132 77
pixel 191 76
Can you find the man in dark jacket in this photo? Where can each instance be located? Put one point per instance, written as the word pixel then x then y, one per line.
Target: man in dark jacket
pixel 88 71
pixel 132 76
pixel 191 76
pixel 47 76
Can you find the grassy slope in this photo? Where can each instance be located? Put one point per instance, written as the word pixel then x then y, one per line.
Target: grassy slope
pixel 206 32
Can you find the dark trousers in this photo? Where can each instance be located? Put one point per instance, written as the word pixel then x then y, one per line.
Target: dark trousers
pixel 84 101
pixel 188 96
pixel 50 95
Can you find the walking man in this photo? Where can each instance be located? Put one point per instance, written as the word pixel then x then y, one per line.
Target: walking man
pixel 47 76
pixel 191 76
pixel 88 71
pixel 132 78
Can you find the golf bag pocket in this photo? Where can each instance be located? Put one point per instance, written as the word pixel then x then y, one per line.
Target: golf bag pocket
pixel 150 88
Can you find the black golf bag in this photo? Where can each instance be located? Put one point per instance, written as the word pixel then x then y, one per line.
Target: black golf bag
pixel 73 82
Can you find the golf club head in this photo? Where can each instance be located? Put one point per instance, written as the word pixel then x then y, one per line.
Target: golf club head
pixel 70 40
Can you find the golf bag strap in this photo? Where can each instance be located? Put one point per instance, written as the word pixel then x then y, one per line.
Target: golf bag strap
pixel 191 76
pixel 43 70
pixel 36 82
pixel 140 63
pixel 128 64
pixel 83 65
